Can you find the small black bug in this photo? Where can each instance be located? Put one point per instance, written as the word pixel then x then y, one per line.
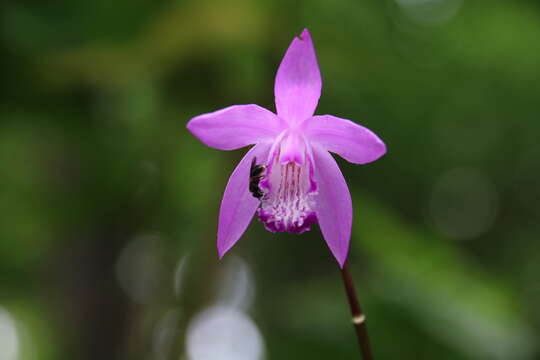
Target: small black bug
pixel 255 176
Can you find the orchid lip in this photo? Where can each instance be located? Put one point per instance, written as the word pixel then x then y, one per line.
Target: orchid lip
pixel 288 201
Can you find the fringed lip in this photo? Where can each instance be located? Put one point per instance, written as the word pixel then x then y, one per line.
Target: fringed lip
pixel 289 196
pixel 293 228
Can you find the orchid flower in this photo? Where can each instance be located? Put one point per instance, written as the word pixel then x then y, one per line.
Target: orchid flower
pixel 300 183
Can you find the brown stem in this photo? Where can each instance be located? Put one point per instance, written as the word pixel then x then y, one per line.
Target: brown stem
pixel 358 317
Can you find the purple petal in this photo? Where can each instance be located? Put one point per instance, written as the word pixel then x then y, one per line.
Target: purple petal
pixel 349 140
pixel 334 206
pixel 298 81
pixel 235 127
pixel 292 149
pixel 238 204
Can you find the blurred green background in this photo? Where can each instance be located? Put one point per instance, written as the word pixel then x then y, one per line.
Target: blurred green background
pixel 109 206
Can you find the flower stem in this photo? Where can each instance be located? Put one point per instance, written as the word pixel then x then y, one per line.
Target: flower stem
pixel 358 317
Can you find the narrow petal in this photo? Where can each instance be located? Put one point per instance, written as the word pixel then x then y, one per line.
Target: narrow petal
pixel 238 204
pixel 349 140
pixel 235 127
pixel 298 81
pixel 333 204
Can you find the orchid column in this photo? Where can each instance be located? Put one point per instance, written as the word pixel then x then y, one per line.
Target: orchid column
pixel 298 182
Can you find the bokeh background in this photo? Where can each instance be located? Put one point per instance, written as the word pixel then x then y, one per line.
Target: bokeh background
pixel 109 206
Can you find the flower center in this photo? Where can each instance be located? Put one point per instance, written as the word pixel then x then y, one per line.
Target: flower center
pixel 288 202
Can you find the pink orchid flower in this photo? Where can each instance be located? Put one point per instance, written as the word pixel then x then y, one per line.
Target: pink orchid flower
pixel 296 182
